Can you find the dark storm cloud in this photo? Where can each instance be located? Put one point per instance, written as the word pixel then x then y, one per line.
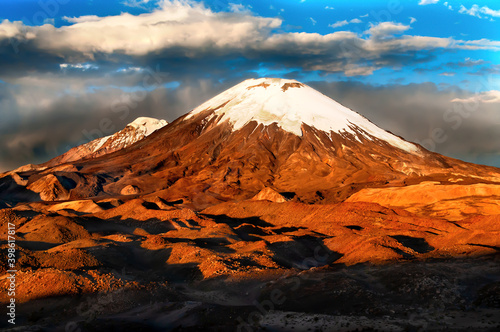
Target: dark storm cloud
pixel 468 63
pixel 38 133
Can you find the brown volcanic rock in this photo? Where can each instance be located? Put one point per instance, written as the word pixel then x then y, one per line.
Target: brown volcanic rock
pixel 70 259
pixel 51 185
pixel 268 194
pixel 49 282
pixel 246 240
pixel 139 209
pixel 10 216
pixel 453 202
pixel 50 188
pixel 43 283
pixel 52 229
pixel 366 232
pixel 481 223
pixel 428 192
pixel 85 206
pixel 130 190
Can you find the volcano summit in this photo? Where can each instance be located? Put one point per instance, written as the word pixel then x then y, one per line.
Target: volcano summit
pixel 290 105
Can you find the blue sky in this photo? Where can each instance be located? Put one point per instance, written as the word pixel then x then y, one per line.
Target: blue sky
pixel 66 64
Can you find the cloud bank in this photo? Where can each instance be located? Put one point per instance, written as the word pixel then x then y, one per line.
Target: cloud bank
pixel 188 29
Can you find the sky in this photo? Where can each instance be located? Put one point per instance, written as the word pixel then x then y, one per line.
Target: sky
pixel 75 70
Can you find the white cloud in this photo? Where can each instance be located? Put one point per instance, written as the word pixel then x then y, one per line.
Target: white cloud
pixel 82 66
pixel 412 20
pixel 427 2
pixel 179 25
pixel 479 12
pixel 13 30
pixel 491 12
pixel 473 11
pixel 480 44
pixel 239 8
pixel 130 69
pixel 338 24
pixel 329 7
pixel 385 29
pixel 447 74
pixel 448 5
pixel 344 22
pixel 488 97
pixel 82 19
pixel 471 62
pixel 349 70
pixel 136 3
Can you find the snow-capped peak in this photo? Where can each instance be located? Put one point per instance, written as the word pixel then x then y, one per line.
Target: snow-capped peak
pixel 289 104
pixel 142 127
pixel 133 132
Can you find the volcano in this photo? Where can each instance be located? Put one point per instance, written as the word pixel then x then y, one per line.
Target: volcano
pixel 263 133
pixel 256 189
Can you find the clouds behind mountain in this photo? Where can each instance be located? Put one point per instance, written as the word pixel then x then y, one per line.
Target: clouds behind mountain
pixel 60 83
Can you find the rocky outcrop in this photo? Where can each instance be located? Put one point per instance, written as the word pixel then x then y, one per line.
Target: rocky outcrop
pixel 449 201
pixel 130 190
pixel 49 188
pixel 269 194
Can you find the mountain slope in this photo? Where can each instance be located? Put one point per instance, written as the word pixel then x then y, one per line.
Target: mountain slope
pixel 262 133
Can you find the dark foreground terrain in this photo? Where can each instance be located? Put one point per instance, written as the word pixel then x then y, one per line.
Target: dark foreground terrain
pixel 134 264
pixel 438 295
pixel 152 265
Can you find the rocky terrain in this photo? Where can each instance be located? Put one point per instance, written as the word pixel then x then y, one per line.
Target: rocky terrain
pixel 270 207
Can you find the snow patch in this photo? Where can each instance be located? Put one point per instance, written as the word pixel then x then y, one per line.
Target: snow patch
pixel 147 125
pixel 100 142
